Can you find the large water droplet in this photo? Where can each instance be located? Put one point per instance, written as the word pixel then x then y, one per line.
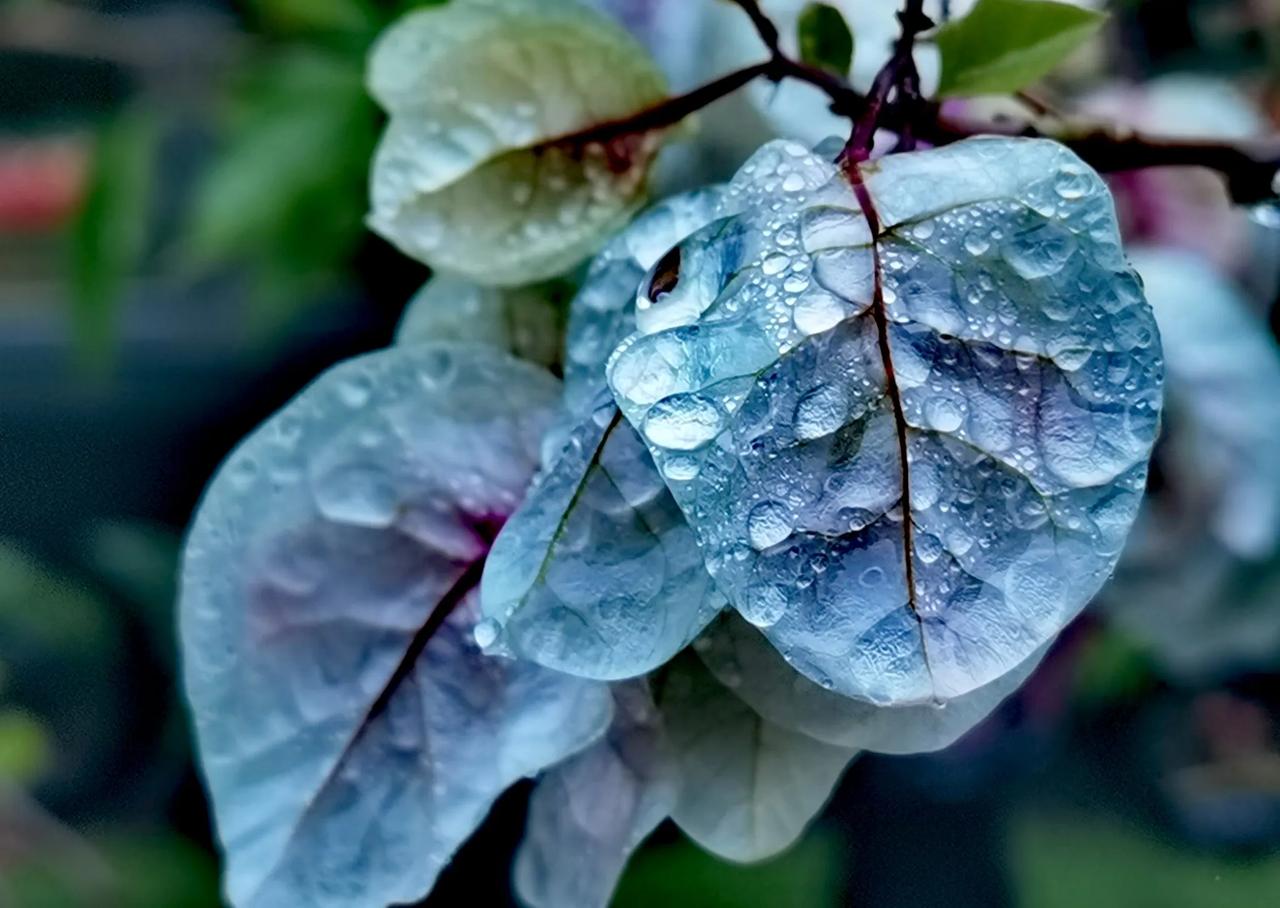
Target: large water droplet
pixel 486 633
pixel 768 524
pixel 684 422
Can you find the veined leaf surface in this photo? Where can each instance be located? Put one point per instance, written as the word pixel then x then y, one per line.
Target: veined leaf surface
pixel 351 734
pixel 912 449
pixel 478 172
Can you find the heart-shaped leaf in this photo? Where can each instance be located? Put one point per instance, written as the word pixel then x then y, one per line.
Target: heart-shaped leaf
pixel 912 449
pixel 748 787
pixel 351 733
pixel 480 172
pixel 745 662
pixel 590 813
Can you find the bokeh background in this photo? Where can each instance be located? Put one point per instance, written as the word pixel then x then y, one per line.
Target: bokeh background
pixel 182 188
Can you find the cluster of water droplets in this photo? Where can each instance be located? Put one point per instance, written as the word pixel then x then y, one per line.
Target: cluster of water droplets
pixel 1028 369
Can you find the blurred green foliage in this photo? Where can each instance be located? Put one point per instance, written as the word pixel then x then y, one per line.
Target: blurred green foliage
pixel 1066 862
pixel 284 195
pixel 109 237
pixel 128 871
pixel 682 874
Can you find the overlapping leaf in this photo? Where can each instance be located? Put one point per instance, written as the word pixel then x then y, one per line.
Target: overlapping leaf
pixel 525 320
pixel 1224 376
pixel 350 732
pixel 476 173
pixel 589 814
pixel 911 458
pixel 1198 584
pixel 748 787
pixel 603 313
pixel 745 662
pixel 598 574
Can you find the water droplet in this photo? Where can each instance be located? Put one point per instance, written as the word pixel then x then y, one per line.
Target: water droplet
pixel 768 524
pixel 1072 182
pixel 486 633
pixel 355 391
pixel 944 414
pixel 681 468
pixel 684 422
pixel 764 605
pixel 820 412
pixel 775 264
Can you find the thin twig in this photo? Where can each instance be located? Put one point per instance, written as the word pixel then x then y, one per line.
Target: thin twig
pixel 1249 167
pixel 897 77
pixel 668 112
pixel 894 103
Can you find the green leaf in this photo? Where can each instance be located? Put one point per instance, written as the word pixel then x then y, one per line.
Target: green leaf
pixel 285 195
pixel 1004 45
pixel 316 15
pixel 807 876
pixel 109 236
pixel 476 173
pixel 294 146
pixel 825 39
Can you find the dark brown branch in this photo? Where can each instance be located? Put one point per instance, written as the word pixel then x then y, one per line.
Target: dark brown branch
pixel 845 101
pixel 1250 168
pixel 668 112
pixel 897 77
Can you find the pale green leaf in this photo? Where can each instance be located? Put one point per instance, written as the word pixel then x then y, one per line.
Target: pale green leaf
pixel 1002 46
pixel 472 175
pixel 748 787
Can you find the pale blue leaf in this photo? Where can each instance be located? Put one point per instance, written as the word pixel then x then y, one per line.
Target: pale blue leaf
pixel 745 662
pixel 351 734
pixel 597 574
pixel 522 320
pixel 1028 369
pixel 1224 383
pixel 603 312
pixel 473 174
pixel 748 787
pixel 590 813
pixel 1199 581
